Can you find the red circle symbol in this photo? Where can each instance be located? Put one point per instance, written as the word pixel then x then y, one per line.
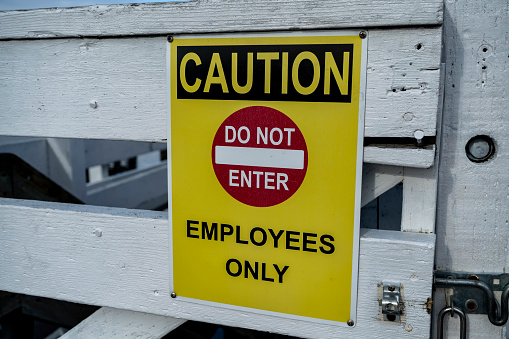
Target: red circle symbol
pixel 259 156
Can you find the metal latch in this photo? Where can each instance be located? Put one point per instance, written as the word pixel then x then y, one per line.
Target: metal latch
pixel 392 303
pixel 475 293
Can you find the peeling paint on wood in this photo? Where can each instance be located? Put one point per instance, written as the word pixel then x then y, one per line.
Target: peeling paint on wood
pixel 40 241
pixel 216 16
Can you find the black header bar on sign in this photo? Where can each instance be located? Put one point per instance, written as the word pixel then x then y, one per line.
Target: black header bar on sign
pixel 312 73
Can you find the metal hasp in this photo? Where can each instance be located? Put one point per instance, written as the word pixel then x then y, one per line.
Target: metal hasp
pixel 391 302
pixel 463 321
pixel 474 293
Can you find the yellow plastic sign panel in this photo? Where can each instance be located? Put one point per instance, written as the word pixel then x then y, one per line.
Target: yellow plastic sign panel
pixel 266 140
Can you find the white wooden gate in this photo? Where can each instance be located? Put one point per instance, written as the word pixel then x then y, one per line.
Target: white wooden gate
pixel 99 72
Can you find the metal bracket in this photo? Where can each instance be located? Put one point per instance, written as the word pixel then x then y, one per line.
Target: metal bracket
pixel 392 307
pixel 475 293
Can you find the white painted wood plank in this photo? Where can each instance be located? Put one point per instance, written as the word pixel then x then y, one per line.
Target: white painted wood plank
pixel 109 323
pixel 216 16
pixel 408 157
pixel 116 88
pixel 419 200
pixel 92 89
pixel 378 179
pixel 403 82
pixel 54 250
pixel 473 214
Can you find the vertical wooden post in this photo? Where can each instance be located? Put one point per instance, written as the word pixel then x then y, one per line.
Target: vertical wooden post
pixel 473 213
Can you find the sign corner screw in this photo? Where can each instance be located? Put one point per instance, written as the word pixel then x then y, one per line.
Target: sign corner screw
pixel 173 294
pixel 169 38
pixel 350 322
pixel 363 34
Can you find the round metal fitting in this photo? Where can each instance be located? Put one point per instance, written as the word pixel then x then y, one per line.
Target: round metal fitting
pixel 169 38
pixel 173 295
pixel 471 305
pixel 363 34
pixel 391 288
pixel 480 148
pixel 350 322
pixel 473 277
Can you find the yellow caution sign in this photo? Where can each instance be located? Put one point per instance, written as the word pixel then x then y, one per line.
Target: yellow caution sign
pixel 265 143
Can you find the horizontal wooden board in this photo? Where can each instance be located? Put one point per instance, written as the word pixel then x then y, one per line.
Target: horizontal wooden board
pixel 116 88
pixel 109 322
pixel 119 258
pixel 216 16
pixel 400 156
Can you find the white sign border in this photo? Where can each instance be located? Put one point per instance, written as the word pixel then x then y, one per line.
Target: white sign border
pixel 358 181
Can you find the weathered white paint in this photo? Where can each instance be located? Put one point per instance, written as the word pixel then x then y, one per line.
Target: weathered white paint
pixel 378 179
pixel 400 156
pixel 53 81
pixel 54 250
pixel 107 323
pixel 419 200
pixel 473 201
pixel 116 89
pixel 403 82
pixel 216 16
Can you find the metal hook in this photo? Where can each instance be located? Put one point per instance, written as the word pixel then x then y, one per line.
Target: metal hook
pixel 463 321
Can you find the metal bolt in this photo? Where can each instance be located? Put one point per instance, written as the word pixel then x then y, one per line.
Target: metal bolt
pixel 93 104
pixel 350 322
pixel 363 34
pixel 173 294
pixel 391 288
pixel 169 38
pixel 473 277
pixel 419 135
pixel 471 305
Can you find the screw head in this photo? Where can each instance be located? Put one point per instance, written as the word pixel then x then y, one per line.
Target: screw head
pixel 363 34
pixel 173 294
pixel 350 322
pixel 169 38
pixel 391 288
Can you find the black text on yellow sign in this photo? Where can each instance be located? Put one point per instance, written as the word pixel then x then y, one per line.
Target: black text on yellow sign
pixel 259 236
pixel 314 73
pixel 239 106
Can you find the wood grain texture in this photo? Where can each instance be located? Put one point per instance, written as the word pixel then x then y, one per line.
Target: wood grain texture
pixel 419 200
pixel 116 88
pixel 216 16
pixel 403 82
pixel 408 157
pixel 53 250
pixel 107 323
pixel 473 201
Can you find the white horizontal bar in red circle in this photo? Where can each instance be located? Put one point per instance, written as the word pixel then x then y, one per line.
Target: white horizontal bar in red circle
pixel 260 157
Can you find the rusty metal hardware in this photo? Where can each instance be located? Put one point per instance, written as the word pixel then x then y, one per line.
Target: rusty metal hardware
pixel 391 300
pixel 474 293
pixel 452 310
